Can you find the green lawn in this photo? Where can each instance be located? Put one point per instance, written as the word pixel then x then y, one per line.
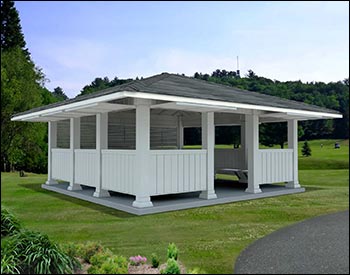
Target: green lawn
pixel 209 237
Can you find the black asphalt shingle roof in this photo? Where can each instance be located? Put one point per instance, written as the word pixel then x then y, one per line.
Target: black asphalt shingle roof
pixel 183 86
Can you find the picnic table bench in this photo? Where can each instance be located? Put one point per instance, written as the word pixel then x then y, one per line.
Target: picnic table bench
pixel 242 174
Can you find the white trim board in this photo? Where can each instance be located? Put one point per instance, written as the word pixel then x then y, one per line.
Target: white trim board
pixel 123 94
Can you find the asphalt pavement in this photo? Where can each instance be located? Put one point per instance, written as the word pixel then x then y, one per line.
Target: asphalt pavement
pixel 316 246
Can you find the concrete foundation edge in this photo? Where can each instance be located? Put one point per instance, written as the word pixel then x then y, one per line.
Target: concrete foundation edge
pixel 179 206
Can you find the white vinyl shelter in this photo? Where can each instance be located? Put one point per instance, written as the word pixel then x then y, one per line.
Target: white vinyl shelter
pixel 130 138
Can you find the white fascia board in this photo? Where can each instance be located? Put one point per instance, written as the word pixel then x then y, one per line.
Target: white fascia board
pixel 228 104
pixel 214 103
pixel 74 105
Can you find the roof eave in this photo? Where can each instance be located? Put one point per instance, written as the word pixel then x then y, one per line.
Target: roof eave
pixel 49 114
pixel 46 113
pixel 288 111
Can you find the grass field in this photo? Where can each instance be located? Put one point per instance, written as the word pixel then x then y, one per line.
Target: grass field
pixel 209 237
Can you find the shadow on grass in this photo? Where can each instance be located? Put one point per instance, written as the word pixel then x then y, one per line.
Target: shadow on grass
pixel 312 188
pixel 106 210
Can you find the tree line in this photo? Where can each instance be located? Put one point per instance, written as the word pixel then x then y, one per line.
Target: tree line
pixel 24 144
pixel 333 95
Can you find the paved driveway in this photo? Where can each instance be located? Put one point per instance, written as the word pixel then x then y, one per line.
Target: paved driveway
pixel 315 246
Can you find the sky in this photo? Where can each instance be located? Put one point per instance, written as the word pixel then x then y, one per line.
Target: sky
pixel 75 42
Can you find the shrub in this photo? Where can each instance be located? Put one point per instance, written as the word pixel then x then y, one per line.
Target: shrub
pixel 34 253
pixel 137 260
pixel 172 251
pixel 9 223
pixel 155 260
pixel 8 264
pixel 112 265
pixel 71 249
pixel 172 267
pixel 87 250
pixel 99 258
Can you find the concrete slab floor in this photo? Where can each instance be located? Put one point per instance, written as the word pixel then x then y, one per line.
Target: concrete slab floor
pixel 226 191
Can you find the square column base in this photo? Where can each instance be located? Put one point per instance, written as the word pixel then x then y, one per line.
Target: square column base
pixel 142 202
pixel 208 195
pixel 101 193
pixel 253 190
pixel 74 187
pixel 293 185
pixel 51 182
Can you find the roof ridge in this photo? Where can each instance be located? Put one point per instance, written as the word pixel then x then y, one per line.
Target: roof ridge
pixel 153 79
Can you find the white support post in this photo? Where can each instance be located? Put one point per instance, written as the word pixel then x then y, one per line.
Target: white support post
pixel 143 155
pixel 101 143
pixel 52 143
pixel 74 144
pixel 180 133
pixel 244 145
pixel 293 144
pixel 208 143
pixel 252 138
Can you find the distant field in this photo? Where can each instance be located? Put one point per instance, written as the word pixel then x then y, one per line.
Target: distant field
pixel 208 237
pixel 325 157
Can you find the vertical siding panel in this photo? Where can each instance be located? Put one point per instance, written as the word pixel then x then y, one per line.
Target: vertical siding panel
pixel 186 173
pixel 198 170
pixel 117 171
pixel 160 171
pixel 181 172
pixel 61 164
pixel 282 166
pixel 128 161
pixel 133 169
pixel 123 161
pixel 167 174
pixel 204 170
pixel 191 172
pixel 173 163
pixel 153 175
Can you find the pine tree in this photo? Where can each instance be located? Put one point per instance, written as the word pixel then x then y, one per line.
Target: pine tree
pixel 306 150
pixel 11 30
pixel 59 94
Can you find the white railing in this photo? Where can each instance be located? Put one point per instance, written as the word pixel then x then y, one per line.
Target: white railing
pixel 276 165
pixel 61 164
pixel 229 158
pixel 119 171
pixel 86 162
pixel 178 171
